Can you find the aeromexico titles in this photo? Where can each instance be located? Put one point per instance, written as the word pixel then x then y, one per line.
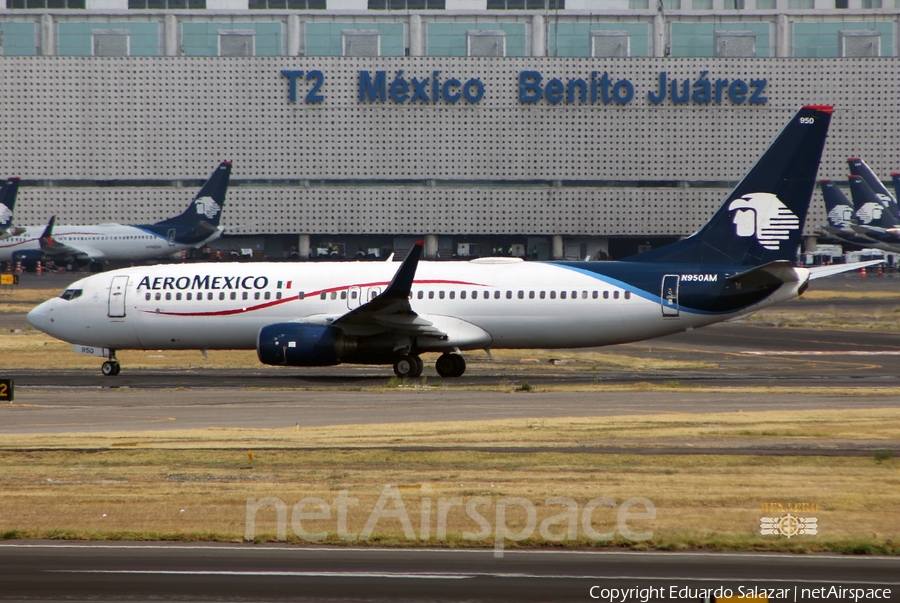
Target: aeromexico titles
pixel 94 244
pixel 324 314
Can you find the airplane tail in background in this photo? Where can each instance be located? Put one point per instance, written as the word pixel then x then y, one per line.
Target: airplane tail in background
pixel 762 219
pixel 871 209
pixel 8 193
pixel 858 167
pixel 202 216
pixel 841 212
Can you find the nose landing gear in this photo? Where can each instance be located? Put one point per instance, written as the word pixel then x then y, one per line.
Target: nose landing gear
pixel 111 367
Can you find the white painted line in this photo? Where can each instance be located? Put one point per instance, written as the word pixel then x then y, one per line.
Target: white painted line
pixel 822 353
pixel 463 576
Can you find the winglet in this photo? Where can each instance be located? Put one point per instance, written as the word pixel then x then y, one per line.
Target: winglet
pixel 402 282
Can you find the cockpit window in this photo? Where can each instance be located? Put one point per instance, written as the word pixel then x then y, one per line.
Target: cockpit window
pixel 70 294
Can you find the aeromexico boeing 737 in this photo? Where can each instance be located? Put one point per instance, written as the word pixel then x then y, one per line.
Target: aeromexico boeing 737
pixel 198 225
pixel 326 314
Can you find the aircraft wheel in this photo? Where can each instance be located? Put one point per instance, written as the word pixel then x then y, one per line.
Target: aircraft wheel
pixel 450 365
pixel 111 368
pixel 405 366
pixel 420 366
pixel 460 366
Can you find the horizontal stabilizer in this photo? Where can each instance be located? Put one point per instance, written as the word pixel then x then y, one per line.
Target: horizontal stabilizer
pixel 768 275
pixel 823 271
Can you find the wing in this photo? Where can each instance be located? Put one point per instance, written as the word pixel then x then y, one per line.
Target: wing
pixel 391 311
pixel 52 248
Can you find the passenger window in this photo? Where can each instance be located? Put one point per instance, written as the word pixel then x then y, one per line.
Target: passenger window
pixel 256 295
pixel 301 295
pixel 628 295
pixel 209 296
pixel 147 297
pixel 474 294
pixel 441 295
pixel 233 295
pixel 189 296
pixel 606 295
pixel 584 294
pixel 324 295
pixel 543 294
pixel 334 295
pixel 178 296
pixel 521 295
pixel 268 295
pixel 245 295
pixel 278 295
pixel 462 295
pixel 420 295
pixel 531 295
pixel 431 295
pixel 158 296
pixel 615 295
pixel 452 294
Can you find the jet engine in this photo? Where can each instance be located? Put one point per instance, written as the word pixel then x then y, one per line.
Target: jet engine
pixel 297 344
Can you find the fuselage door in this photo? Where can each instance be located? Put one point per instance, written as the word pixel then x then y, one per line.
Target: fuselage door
pixel 354 296
pixel 117 297
pixel 669 295
pixel 170 236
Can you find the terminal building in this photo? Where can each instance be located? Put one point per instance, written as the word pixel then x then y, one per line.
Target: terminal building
pixel 535 128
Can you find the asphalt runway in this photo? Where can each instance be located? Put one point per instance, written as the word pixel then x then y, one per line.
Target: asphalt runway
pixel 191 572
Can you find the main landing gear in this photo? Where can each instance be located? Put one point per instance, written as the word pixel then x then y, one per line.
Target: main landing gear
pixel 447 365
pixel 111 367
pixel 450 365
pixel 409 365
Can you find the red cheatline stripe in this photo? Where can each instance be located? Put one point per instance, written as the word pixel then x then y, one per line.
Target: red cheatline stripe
pixel 277 302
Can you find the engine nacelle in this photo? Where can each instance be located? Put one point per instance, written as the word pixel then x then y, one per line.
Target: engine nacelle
pixel 298 344
pixel 28 257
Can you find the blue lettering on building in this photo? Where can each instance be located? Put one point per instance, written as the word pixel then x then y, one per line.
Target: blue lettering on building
pixel 600 88
pixel 702 91
pixel 401 89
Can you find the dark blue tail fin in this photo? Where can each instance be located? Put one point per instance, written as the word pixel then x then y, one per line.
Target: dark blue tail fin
pixel 206 208
pixel 762 219
pixel 858 167
pixel 8 193
pixel 871 209
pixel 841 213
pixel 895 177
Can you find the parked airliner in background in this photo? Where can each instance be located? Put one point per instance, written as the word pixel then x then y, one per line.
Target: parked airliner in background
pixel 70 245
pixel 8 193
pixel 363 312
pixel 842 219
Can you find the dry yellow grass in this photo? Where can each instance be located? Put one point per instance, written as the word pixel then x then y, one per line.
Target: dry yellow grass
pixel 876 425
pixel 700 501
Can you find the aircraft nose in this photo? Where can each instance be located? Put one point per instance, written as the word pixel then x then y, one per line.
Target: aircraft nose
pixel 39 317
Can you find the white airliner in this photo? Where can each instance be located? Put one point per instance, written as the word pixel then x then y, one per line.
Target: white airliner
pixel 324 314
pixel 93 244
